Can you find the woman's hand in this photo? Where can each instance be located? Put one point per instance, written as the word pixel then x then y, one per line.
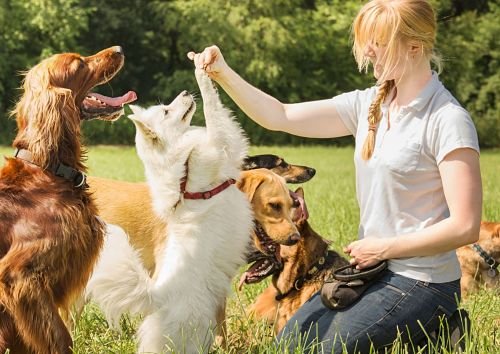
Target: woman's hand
pixel 368 251
pixel 210 60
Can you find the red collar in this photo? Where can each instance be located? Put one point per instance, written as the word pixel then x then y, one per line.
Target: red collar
pixel 202 195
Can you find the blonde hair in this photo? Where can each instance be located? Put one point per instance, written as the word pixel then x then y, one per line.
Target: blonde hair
pixel 391 23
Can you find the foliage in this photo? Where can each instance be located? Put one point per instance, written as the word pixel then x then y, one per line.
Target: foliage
pixel 30 31
pixel 293 49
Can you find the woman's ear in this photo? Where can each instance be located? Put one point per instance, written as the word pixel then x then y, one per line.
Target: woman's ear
pixel 415 49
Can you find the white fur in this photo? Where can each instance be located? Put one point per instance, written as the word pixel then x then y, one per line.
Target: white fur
pixel 120 283
pixel 206 239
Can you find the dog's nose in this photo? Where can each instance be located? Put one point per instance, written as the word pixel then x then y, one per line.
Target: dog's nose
pixel 293 239
pixel 311 172
pixel 118 49
pixel 185 93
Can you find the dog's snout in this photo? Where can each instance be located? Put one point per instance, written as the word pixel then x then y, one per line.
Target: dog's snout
pixel 118 49
pixel 293 239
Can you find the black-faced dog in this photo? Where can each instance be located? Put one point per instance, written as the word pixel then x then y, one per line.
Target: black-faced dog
pixel 291 173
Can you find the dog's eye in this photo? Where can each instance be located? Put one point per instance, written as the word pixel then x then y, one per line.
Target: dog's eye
pixel 165 112
pixel 275 206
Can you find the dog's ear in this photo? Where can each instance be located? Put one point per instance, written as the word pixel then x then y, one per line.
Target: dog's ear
pixel 144 128
pixel 248 183
pixel 300 192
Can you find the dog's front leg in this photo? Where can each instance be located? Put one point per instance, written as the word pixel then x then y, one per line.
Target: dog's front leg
pixel 222 128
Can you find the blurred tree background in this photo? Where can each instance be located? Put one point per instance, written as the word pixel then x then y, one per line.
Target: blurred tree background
pixel 293 49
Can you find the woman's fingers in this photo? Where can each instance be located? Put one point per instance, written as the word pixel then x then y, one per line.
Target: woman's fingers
pixel 207 59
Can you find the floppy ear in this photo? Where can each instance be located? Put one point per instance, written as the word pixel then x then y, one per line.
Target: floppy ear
pixel 46 116
pixel 249 182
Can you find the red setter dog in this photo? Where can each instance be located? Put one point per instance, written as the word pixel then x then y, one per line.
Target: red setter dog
pixel 49 234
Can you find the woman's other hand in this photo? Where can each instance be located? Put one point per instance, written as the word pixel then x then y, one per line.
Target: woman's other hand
pixel 368 251
pixel 210 60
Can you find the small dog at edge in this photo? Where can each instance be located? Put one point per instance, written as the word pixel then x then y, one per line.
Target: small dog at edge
pixel 207 238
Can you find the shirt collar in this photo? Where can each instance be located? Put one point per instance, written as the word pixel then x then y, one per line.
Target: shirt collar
pixel 423 98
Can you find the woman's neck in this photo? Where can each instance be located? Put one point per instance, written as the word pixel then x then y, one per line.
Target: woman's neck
pixel 412 83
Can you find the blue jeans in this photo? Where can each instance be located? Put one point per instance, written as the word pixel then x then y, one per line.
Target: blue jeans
pixel 391 305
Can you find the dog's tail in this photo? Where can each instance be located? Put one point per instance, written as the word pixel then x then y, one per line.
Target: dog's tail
pixel 120 283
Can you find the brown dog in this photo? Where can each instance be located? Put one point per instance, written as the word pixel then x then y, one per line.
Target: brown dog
pixel 50 236
pixel 480 265
pixel 304 267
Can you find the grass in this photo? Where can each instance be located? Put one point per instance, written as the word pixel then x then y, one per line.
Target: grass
pixel 333 213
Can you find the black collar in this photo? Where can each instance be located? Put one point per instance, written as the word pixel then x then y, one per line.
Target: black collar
pixel 78 178
pixel 323 262
pixel 493 264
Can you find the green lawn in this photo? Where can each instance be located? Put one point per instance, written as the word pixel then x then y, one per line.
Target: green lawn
pixel 333 213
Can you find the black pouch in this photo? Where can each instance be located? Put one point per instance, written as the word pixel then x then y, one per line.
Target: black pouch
pixel 346 284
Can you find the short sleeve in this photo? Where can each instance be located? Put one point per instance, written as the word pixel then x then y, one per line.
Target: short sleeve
pixel 349 106
pixel 454 130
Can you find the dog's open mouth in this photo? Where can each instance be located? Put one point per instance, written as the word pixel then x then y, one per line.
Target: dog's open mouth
pixel 266 259
pixel 97 106
pixel 189 111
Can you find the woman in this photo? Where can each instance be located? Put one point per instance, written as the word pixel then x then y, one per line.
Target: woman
pixel 417 178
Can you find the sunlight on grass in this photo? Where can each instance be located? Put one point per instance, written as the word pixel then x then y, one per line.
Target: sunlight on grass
pixel 332 205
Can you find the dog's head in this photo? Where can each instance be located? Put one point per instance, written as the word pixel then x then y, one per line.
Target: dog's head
pixel 273 207
pixel 291 173
pixel 161 125
pixel 56 97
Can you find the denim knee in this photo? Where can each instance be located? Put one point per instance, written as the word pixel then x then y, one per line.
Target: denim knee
pixel 394 305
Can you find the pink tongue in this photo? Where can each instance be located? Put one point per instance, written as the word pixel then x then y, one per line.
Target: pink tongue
pixel 116 101
pixel 242 281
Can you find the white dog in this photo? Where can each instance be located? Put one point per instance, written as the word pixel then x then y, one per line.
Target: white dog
pixel 207 238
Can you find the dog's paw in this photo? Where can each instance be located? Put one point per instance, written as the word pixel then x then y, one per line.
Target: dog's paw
pixel 204 81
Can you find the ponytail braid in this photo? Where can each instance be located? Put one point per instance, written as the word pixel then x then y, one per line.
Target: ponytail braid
pixel 374 117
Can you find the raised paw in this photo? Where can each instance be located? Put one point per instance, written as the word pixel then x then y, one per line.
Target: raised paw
pixel 204 81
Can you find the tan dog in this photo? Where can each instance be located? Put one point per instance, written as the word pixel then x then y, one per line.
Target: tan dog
pixel 475 270
pixel 304 266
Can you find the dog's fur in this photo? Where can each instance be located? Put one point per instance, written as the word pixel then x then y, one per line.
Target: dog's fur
pixel 304 266
pixel 49 234
pixel 474 268
pixel 207 239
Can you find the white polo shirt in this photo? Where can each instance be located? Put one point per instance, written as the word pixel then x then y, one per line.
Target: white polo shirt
pixel 399 189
